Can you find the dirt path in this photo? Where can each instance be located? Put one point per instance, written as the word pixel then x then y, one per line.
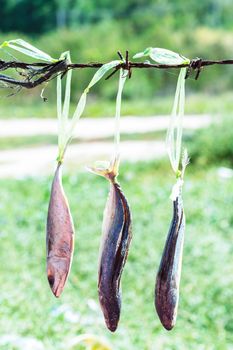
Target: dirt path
pixel 90 128
pixel 19 163
pixel 37 161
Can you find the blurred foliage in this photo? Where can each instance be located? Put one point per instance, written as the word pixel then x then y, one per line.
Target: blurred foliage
pixel 95 30
pixel 213 144
pixel 100 42
pixel 28 104
pixel 44 15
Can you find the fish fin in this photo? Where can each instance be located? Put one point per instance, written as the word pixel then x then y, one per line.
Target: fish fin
pixel 106 169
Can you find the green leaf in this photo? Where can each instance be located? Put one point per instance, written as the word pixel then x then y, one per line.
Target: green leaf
pixel 174 133
pixel 28 50
pixel 163 56
pixel 82 102
pixel 101 72
pixel 122 78
pixel 66 125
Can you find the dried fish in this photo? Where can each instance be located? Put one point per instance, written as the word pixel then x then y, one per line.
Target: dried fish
pixel 116 230
pixel 60 229
pixel 60 236
pixel 168 277
pixel 116 237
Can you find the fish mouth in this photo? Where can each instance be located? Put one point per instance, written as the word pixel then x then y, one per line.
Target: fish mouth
pixel 112 327
pixel 167 319
pixel 56 283
pixel 111 323
pixel 168 326
pixel 51 280
pixel 56 288
pixel 110 305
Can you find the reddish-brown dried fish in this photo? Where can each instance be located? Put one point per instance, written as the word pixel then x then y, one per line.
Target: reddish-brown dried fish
pixel 60 236
pixel 116 237
pixel 168 277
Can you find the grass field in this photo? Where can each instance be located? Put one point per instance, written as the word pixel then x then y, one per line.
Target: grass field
pixel 34 107
pixel 205 319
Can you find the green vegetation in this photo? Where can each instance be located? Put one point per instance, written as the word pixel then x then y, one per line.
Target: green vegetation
pixel 28 141
pixel 94 31
pixel 44 15
pixel 34 107
pixel 145 84
pixel 212 145
pixel 205 313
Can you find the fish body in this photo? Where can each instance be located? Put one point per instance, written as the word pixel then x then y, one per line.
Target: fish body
pixel 116 238
pixel 60 236
pixel 168 276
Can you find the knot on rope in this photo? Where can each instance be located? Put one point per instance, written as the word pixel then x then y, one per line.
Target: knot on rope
pixel 195 65
pixel 125 64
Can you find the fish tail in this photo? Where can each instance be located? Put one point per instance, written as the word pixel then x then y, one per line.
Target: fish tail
pixel 110 171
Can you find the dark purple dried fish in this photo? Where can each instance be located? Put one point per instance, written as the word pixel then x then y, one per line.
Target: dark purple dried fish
pixel 116 237
pixel 168 277
pixel 60 236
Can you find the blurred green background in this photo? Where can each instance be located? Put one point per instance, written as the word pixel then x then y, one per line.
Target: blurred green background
pixel 30 318
pixel 95 30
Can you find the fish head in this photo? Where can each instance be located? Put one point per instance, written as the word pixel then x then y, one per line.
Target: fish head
pixel 57 274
